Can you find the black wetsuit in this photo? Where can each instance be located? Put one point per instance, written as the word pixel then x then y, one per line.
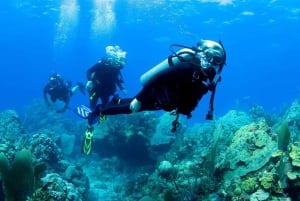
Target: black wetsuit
pixel 58 90
pixel 178 88
pixel 105 78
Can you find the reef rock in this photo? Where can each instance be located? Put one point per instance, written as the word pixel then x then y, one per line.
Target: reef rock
pixel 10 124
pixel 293 118
pixel 250 149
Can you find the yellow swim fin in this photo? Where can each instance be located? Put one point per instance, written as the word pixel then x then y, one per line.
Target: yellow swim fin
pixel 88 141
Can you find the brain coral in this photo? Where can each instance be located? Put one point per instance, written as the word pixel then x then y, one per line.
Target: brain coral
pixel 45 149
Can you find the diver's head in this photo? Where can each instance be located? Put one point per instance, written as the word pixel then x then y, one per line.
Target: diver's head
pixel 212 54
pixel 54 76
pixel 115 56
pixel 55 79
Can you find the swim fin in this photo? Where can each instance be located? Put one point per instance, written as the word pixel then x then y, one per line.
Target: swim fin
pixel 83 111
pixel 88 141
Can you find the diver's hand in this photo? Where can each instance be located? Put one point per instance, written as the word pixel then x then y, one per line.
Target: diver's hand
pixel 135 105
pixel 89 85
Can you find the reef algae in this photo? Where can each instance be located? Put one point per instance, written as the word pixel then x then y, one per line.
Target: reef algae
pixel 249 185
pixel 18 177
pixel 283 136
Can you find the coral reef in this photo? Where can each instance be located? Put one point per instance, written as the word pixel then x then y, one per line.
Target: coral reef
pixel 165 169
pixel 10 124
pixel 75 175
pixel 56 189
pixel 240 156
pixel 292 117
pixel 45 149
pixel 252 142
pixel 37 117
pixel 259 195
pixel 126 137
pixel 249 185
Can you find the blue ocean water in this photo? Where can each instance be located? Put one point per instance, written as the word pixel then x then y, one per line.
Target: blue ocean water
pixel 39 37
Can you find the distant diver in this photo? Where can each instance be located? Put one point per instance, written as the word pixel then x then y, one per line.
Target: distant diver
pixel 58 89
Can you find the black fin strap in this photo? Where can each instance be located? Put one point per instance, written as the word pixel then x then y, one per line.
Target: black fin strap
pixel 209 115
pixel 175 123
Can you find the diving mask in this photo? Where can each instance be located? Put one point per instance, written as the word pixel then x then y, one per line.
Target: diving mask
pixel 211 54
pixel 210 58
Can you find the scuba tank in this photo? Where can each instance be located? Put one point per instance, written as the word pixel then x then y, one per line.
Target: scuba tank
pixel 183 55
pixel 207 53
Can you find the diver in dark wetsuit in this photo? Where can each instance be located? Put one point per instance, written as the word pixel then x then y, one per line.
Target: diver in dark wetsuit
pixel 105 76
pixel 58 89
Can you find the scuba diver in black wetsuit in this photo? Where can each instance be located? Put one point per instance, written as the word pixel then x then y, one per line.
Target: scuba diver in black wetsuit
pixel 58 89
pixel 177 84
pixel 104 77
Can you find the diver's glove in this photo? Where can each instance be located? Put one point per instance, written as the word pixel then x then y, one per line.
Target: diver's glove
pixel 88 141
pixel 135 105
pixel 81 87
pixel 89 85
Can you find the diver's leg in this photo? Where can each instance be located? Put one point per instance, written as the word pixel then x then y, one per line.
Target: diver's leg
pixel 104 99
pixel 122 107
pixel 94 115
pixel 93 100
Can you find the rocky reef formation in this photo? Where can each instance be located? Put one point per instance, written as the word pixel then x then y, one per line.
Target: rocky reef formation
pixel 243 155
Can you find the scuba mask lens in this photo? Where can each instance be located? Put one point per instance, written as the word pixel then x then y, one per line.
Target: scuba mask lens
pixel 119 61
pixel 217 60
pixel 204 62
pixel 209 62
pixel 214 57
pixel 116 63
pixel 53 82
pixel 55 76
pixel 121 57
